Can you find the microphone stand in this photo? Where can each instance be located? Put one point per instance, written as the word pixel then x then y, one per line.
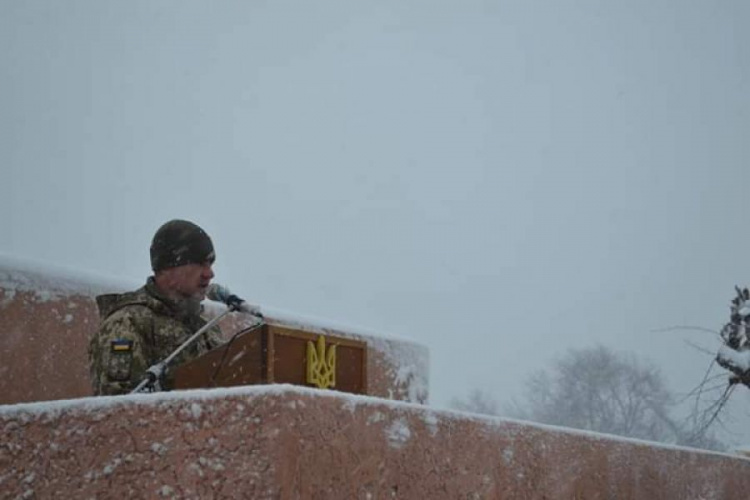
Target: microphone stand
pixel 155 372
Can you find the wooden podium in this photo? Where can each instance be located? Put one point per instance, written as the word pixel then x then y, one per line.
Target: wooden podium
pixel 273 354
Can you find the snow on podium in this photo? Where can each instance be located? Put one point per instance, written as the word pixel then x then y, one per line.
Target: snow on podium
pixel 299 408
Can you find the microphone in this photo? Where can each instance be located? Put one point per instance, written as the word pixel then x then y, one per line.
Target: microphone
pixel 222 294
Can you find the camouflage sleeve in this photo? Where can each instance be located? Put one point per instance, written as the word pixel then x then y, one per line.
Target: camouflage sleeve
pixel 117 360
pixel 214 337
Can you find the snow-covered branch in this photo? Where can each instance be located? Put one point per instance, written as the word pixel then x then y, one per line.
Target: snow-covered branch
pixel 737 362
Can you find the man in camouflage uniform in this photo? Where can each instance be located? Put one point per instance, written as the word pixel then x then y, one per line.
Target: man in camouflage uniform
pixel 143 327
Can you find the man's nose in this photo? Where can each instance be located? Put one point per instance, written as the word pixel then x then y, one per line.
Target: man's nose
pixel 208 272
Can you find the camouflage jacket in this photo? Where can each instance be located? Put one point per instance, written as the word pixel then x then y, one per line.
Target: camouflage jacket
pixel 139 329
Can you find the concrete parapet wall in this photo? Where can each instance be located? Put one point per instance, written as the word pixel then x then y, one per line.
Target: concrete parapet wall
pixel 287 442
pixel 47 317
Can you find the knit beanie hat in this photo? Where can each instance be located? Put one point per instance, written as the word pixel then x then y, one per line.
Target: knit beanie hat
pixel 180 242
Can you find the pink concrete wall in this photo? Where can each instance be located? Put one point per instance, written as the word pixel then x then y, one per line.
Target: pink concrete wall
pixel 46 321
pixel 43 346
pixel 286 443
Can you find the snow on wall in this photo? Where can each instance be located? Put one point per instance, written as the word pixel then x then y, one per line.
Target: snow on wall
pixel 291 442
pixel 49 281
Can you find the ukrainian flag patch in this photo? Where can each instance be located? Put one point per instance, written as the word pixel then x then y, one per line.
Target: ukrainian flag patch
pixel 122 345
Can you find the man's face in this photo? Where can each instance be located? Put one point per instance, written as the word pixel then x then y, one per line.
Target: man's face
pixel 191 280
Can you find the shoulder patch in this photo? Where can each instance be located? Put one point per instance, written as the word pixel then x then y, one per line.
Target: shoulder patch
pixel 121 345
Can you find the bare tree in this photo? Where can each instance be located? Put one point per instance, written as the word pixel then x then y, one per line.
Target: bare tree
pixel 599 390
pixel 478 401
pixel 714 391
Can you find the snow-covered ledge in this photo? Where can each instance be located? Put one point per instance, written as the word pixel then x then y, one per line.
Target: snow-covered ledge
pixel 290 442
pixel 47 315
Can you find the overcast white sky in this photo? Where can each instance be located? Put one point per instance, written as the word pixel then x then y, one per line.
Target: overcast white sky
pixel 497 180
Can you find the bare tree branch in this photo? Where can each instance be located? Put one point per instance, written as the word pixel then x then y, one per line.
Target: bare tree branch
pixel 682 328
pixel 700 348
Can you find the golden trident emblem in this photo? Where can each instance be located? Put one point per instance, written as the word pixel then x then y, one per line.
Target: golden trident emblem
pixel 321 365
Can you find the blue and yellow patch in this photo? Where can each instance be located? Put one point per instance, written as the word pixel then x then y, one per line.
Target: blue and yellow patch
pixel 122 345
